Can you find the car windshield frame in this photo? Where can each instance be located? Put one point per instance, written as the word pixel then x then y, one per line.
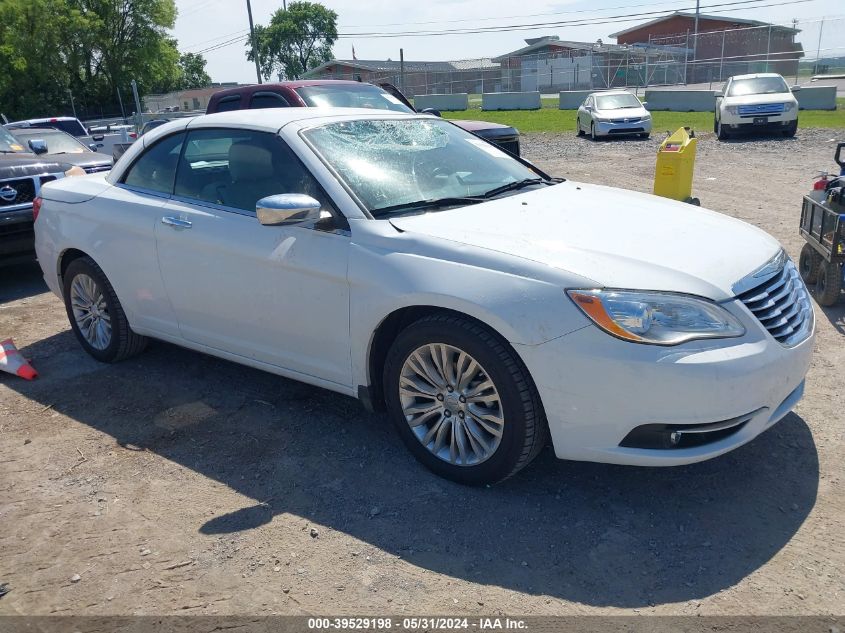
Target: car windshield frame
pixel 620 98
pixel 311 95
pixel 783 88
pixel 9 144
pixel 463 188
pixel 46 133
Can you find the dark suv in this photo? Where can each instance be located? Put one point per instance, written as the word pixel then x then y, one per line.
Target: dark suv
pixel 21 176
pixel 345 94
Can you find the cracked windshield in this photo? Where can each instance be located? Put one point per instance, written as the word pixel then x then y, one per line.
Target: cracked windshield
pixel 392 164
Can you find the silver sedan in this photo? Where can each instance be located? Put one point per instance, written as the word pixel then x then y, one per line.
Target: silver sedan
pixel 613 113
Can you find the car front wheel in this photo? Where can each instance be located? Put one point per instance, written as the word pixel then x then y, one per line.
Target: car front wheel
pixel 722 131
pixel 96 316
pixel 593 134
pixel 462 400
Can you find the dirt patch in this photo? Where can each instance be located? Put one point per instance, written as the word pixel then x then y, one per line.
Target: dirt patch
pixel 179 483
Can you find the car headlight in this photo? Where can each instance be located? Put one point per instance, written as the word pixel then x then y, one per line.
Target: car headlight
pixel 656 318
pixel 732 109
pixel 601 119
pixel 789 106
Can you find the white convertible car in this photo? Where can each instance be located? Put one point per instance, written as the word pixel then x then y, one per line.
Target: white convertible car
pixel 399 259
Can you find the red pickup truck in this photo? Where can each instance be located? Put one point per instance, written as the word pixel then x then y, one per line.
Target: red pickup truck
pixel 345 94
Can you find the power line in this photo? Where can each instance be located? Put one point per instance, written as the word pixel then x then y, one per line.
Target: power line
pixel 513 17
pixel 629 17
pixel 215 39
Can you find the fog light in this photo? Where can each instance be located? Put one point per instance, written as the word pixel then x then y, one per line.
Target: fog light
pixel 674 438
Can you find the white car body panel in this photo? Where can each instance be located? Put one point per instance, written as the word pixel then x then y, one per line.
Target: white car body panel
pixel 305 304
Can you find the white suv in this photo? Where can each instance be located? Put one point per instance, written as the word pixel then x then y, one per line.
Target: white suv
pixel 755 102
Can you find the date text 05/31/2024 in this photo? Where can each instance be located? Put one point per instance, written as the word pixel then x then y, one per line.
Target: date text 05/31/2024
pixel 415 624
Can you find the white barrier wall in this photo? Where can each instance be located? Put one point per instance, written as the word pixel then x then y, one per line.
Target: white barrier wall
pixel 572 99
pixel 458 101
pixel 510 101
pixel 816 97
pixel 681 100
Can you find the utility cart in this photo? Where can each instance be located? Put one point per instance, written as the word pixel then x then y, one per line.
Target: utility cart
pixel 822 259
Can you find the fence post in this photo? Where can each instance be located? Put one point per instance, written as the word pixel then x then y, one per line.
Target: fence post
pixel 768 47
pixel 686 57
pixel 819 49
pixel 722 56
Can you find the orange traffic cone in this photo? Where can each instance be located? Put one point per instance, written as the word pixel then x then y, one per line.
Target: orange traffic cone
pixel 11 361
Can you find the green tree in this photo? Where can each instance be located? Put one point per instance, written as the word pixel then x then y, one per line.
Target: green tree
pixel 192 69
pixel 296 40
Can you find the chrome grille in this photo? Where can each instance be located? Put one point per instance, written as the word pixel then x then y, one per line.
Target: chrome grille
pixel 16 192
pixel 782 305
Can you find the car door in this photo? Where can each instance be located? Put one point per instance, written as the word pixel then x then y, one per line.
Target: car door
pixel 275 294
pixel 124 235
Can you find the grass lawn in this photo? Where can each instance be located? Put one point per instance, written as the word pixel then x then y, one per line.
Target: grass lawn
pixel 550 119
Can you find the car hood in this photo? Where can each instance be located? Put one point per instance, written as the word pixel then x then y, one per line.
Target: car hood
pixel 21 165
pixel 617 238
pixel 623 113
pixel 779 97
pixel 475 126
pixel 85 159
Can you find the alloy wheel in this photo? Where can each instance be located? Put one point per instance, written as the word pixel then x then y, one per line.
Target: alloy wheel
pixel 451 404
pixel 90 311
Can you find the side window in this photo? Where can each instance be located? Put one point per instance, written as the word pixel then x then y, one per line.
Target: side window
pixel 227 104
pixel 236 168
pixel 261 100
pixel 155 169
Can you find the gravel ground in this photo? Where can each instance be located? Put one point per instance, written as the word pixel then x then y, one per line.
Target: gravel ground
pixel 178 483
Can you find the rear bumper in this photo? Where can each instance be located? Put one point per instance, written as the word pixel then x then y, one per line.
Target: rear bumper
pixel 597 389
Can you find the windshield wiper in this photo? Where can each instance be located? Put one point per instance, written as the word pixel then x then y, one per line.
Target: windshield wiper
pixel 432 203
pixel 520 184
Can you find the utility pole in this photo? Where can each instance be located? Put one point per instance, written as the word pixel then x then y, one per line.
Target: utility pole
pixel 138 118
pixel 72 106
pixel 402 70
pixel 254 42
pixel 819 49
pixel 120 100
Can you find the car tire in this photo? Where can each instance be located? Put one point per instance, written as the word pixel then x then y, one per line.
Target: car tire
pixel 578 130
pixel 433 409
pixel 715 124
pixel 808 264
pixel 828 284
pixel 644 135
pixel 95 314
pixel 791 130
pixel 593 132
pixel 722 131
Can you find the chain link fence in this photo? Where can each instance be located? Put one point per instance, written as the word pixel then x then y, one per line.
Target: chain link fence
pixel 796 50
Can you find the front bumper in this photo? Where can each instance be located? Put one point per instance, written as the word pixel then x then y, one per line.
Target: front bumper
pixel 781 121
pixel 612 128
pixel 16 233
pixel 597 389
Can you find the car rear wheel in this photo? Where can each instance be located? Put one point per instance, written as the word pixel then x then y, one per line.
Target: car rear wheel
pixel 96 316
pixel 462 401
pixel 828 284
pixel 808 264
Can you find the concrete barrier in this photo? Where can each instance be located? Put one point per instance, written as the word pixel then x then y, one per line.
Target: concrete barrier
pixel 681 100
pixel 816 98
pixel 510 101
pixel 458 101
pixel 572 99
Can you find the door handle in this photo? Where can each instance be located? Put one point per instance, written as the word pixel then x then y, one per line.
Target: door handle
pixel 176 222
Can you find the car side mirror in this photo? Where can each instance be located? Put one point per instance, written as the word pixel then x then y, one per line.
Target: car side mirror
pixel 645 104
pixel 431 111
pixel 98 137
pixel 93 147
pixel 38 145
pixel 287 208
pixel 795 89
pixel 718 94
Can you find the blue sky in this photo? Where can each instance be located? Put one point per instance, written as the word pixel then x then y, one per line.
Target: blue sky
pixel 206 23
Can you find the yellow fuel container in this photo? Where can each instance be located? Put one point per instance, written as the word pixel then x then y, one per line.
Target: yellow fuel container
pixel 675 164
